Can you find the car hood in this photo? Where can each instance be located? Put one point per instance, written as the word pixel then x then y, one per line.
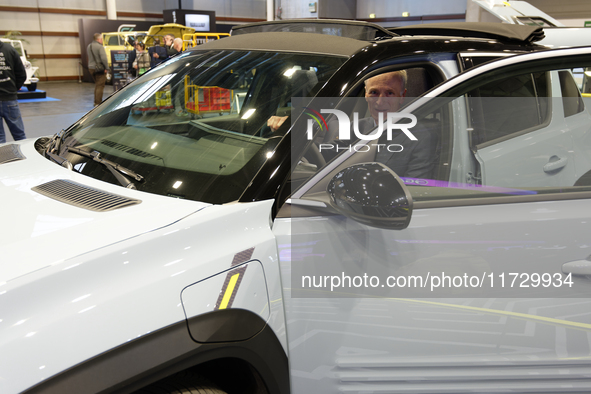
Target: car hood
pixel 40 231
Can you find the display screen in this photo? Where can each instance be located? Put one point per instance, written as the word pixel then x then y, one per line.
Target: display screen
pixel 199 22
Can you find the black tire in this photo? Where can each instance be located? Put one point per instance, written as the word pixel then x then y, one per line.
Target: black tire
pixel 182 383
pixel 32 87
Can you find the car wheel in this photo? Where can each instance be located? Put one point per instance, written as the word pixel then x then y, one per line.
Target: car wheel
pixel 32 87
pixel 182 383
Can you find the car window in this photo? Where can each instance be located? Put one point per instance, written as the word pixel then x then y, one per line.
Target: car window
pixel 512 137
pixel 511 105
pixel 469 61
pixel 329 144
pixel 582 77
pixel 196 127
pixel 572 101
pixel 503 135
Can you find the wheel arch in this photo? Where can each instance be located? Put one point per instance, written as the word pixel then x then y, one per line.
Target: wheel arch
pixel 163 353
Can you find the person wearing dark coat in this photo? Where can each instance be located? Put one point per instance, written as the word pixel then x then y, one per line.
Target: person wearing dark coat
pixel 12 77
pixel 157 53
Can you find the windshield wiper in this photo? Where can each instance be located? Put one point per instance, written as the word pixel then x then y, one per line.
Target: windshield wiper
pixel 117 170
pixel 55 142
pixel 53 147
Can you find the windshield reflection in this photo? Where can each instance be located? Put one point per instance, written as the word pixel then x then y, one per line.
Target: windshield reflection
pixel 196 127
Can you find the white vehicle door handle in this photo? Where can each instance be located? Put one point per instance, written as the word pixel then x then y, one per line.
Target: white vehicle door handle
pixel 577 268
pixel 556 164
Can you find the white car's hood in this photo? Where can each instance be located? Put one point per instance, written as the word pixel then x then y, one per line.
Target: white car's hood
pixel 39 231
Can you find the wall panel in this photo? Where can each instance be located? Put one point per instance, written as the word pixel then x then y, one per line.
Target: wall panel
pixel 60 68
pixel 19 21
pixel 74 4
pixel 62 22
pixel 61 45
pixel 20 3
pixel 230 8
pixel 153 6
pixel 33 45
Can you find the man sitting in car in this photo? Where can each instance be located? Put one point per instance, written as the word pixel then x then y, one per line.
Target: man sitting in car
pixel 384 94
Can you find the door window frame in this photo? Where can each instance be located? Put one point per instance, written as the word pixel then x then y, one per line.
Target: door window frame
pixel 457 87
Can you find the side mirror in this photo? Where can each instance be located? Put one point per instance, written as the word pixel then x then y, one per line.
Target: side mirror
pixel 371 194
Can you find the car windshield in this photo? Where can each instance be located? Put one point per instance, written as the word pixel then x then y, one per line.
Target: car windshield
pixel 195 127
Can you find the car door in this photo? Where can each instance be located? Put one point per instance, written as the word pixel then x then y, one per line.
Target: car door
pixel 484 290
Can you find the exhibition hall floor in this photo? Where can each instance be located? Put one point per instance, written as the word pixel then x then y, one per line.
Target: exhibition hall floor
pixel 66 102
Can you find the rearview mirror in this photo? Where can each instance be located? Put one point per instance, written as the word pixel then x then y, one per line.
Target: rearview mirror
pixel 371 194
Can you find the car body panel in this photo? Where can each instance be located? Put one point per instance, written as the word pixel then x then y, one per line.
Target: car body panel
pixel 362 344
pixel 551 148
pixel 137 282
pixel 40 226
pixel 106 282
pixel 392 341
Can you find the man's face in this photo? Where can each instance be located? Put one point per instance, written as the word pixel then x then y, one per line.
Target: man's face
pixel 168 40
pixel 100 40
pixel 384 93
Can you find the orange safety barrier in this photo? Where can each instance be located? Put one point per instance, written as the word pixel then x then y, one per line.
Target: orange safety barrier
pixel 199 99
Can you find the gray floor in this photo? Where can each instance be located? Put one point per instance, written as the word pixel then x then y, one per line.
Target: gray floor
pixel 49 117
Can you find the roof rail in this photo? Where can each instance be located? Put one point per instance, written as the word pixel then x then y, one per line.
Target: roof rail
pixel 358 30
pixel 490 30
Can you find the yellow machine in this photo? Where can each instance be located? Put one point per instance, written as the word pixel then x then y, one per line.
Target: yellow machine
pixel 191 40
pixel 168 28
pixel 120 41
pixel 123 40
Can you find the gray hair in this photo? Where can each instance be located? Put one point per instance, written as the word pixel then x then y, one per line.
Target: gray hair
pixel 398 73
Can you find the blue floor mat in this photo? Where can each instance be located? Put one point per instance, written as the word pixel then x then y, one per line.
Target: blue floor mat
pixel 39 100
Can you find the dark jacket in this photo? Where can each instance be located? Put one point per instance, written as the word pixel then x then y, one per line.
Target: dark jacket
pixel 407 158
pixel 12 72
pixel 170 50
pixel 162 55
pixel 130 59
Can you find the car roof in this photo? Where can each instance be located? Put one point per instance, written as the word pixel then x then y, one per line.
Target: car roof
pixel 499 31
pixel 330 45
pixel 288 42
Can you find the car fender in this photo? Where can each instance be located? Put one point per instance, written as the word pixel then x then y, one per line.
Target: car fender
pixel 55 318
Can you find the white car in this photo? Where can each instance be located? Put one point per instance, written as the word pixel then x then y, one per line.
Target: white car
pixel 202 249
pixel 31 81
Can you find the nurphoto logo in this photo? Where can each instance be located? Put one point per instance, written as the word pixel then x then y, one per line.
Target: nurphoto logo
pixel 345 125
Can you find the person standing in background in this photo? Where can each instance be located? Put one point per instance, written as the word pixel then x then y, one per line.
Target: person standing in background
pixel 157 53
pixel 142 59
pixel 12 77
pixel 169 45
pixel 177 44
pixel 98 65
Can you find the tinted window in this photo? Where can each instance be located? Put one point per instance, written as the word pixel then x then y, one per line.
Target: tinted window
pixel 511 105
pixel 509 144
pixel 571 96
